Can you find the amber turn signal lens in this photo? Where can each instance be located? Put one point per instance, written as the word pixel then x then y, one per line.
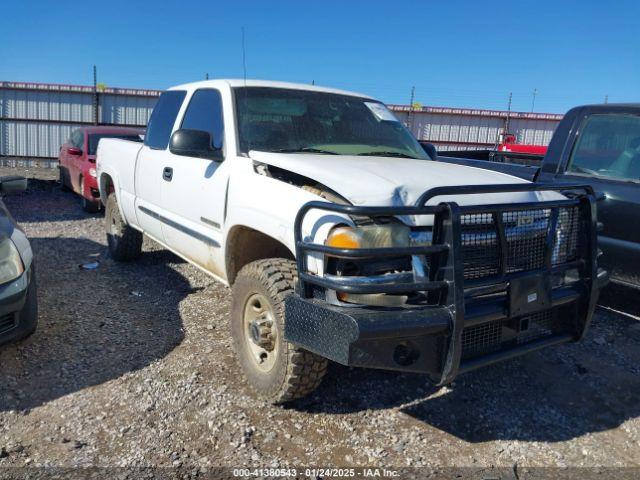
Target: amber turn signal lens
pixel 343 238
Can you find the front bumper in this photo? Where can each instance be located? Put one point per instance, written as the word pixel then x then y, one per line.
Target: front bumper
pixel 414 339
pixel 468 321
pixel 18 312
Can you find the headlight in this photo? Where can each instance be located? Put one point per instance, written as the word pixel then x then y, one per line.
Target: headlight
pixel 92 172
pixel 10 262
pixel 369 236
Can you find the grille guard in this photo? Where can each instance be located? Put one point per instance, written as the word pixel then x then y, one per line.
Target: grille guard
pixel 446 285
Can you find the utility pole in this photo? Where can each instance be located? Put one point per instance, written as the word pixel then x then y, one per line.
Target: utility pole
pixel 206 76
pixel 606 99
pixel 507 120
pixel 95 95
pixel 533 102
pixel 410 113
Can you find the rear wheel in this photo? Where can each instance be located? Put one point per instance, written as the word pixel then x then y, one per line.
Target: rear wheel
pixel 125 243
pixel 90 206
pixel 276 370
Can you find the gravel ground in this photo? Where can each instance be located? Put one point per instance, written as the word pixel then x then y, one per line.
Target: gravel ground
pixel 132 366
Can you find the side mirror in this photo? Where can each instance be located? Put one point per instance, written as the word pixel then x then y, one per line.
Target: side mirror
pixel 74 151
pixel 12 184
pixel 430 149
pixel 194 143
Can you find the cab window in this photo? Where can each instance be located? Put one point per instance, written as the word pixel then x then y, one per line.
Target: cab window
pixel 205 113
pixel 609 146
pixel 77 139
pixel 163 118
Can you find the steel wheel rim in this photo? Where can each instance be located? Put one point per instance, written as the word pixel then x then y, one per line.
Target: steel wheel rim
pixel 257 310
pixel 113 228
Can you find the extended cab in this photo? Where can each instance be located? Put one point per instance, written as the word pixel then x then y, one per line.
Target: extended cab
pixel 598 145
pixel 341 240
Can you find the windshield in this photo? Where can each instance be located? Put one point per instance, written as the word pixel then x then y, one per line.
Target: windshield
pixel 284 120
pixel 94 138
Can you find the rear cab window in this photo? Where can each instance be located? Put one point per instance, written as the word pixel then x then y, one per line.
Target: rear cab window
pixel 608 147
pixel 163 118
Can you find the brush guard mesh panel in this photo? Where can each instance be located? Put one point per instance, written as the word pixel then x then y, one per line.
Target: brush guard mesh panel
pixel 523 235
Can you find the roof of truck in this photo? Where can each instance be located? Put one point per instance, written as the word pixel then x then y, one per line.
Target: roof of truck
pixel 604 106
pixel 239 82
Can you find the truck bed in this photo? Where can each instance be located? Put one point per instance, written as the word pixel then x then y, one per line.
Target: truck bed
pixel 117 158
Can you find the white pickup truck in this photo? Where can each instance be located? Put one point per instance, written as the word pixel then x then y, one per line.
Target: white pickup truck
pixel 342 240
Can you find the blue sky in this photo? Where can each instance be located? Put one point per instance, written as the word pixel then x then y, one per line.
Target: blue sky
pixel 466 54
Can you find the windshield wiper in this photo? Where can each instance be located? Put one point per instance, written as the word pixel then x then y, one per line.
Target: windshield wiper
pixel 305 150
pixel 387 154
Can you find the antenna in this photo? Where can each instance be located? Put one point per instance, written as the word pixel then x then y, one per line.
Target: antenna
pixel 533 102
pixel 244 59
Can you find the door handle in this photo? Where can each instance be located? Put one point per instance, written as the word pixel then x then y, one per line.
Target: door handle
pixel 167 173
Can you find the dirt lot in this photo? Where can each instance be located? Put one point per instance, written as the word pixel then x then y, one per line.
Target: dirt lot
pixel 132 366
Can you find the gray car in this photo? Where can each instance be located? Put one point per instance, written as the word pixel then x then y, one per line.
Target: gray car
pixel 18 303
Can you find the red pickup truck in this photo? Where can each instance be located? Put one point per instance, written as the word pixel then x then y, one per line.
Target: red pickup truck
pixel 510 145
pixel 77 161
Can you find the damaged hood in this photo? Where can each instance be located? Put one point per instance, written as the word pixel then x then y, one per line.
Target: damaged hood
pixel 387 181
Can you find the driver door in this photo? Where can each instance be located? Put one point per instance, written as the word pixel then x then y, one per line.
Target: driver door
pixel 193 193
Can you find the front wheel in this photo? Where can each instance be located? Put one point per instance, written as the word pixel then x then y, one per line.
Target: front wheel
pixel 276 370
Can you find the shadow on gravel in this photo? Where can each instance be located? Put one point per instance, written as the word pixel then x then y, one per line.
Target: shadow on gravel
pixel 44 201
pixel 95 325
pixel 623 299
pixel 553 395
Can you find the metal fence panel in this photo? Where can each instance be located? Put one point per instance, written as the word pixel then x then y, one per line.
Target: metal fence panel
pixel 465 129
pixel 35 119
pixel 46 105
pixel 126 109
pixel 33 139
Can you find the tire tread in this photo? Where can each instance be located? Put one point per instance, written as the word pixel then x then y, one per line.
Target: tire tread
pixel 305 370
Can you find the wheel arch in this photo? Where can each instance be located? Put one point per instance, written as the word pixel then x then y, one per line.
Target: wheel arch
pixel 107 184
pixel 245 245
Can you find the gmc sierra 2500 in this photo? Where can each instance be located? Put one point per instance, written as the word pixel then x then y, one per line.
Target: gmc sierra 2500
pixel 341 241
